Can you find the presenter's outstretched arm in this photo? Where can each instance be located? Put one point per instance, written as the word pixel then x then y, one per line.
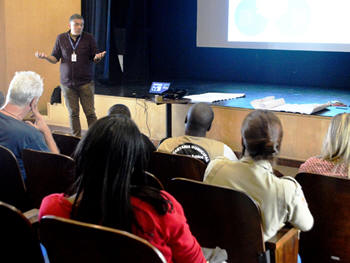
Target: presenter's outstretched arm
pixel 42 55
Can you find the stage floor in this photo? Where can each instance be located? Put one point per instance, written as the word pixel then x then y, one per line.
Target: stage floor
pixel 291 94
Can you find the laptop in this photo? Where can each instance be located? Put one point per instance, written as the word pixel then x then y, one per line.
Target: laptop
pixel 158 88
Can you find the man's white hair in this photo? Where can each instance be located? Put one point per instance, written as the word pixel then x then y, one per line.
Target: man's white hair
pixel 24 87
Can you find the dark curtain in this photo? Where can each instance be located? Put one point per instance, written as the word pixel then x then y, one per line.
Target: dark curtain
pixel 97 19
pixel 121 27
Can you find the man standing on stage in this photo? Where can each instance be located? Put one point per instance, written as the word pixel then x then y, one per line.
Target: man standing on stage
pixel 76 50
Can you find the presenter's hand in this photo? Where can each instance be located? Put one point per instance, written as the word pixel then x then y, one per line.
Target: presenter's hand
pixel 41 55
pixel 99 56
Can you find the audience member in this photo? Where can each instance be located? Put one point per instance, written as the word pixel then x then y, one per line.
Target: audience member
pixel 111 190
pixel 198 121
pixel 281 200
pixel 335 156
pixel 124 110
pixel 22 97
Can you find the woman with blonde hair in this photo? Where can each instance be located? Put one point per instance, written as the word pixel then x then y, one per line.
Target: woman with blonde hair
pixel 335 154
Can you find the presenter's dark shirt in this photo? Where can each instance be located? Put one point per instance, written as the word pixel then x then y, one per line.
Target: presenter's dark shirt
pixel 77 73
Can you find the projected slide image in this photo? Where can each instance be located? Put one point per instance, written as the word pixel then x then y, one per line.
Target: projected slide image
pixel 293 21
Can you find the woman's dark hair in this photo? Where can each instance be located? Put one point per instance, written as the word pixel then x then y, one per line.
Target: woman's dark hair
pixel 261 135
pixel 109 168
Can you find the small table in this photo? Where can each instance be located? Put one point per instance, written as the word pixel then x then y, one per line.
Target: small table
pixel 168 113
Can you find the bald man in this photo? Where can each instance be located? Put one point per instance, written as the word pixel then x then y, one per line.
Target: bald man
pixel 198 121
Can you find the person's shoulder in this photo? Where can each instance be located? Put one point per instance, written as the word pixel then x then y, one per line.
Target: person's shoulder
pixel 290 185
pixel 309 164
pixel 88 35
pixel 30 131
pixel 174 207
pixel 218 165
pixel 314 159
pixel 166 142
pixel 221 161
pixel 168 196
pixel 288 180
pixel 148 141
pixel 211 140
pixel 55 197
pixel 62 35
pixel 143 207
pixel 21 127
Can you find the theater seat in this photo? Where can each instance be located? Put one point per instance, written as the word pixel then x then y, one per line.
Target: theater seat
pixel 231 220
pixel 18 240
pixel 328 199
pixel 66 143
pixel 72 241
pixel 166 166
pixel 47 173
pixel 12 188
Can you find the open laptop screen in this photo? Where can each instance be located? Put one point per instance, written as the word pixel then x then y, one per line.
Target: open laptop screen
pixel 159 87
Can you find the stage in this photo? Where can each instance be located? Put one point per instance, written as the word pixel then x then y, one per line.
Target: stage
pixel 303 134
pixel 291 94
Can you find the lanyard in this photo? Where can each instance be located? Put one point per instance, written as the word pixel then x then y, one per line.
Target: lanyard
pixel 76 44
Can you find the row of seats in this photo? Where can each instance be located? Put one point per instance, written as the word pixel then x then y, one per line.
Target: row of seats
pixel 328 235
pixel 327 198
pixel 41 185
pixel 46 173
pixel 69 241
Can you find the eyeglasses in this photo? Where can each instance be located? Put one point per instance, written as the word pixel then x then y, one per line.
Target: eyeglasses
pixel 78 24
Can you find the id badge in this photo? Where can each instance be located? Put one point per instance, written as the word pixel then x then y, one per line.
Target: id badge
pixel 74 57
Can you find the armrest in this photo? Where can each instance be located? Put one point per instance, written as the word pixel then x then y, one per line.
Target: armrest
pixel 32 215
pixel 284 246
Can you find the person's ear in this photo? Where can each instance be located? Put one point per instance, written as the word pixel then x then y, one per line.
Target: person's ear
pixel 32 103
pixel 243 147
pixel 209 127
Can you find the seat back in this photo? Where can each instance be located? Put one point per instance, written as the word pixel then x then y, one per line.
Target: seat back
pixel 328 199
pixel 66 143
pixel 18 241
pixel 47 173
pixel 222 217
pixel 12 188
pixel 153 181
pixel 73 241
pixel 166 166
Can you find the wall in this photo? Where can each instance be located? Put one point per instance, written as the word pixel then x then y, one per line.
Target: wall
pixel 27 26
pixel 174 55
pixel 3 80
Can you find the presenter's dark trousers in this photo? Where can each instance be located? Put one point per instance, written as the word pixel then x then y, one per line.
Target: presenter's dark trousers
pixel 85 94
